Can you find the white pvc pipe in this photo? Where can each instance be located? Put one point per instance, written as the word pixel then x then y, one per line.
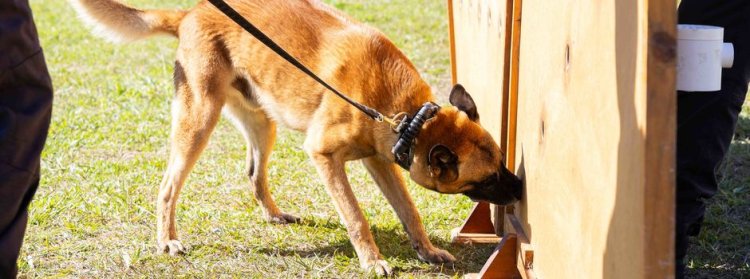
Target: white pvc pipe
pixel 701 53
pixel 727 55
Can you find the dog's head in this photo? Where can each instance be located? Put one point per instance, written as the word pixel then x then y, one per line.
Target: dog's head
pixel 454 154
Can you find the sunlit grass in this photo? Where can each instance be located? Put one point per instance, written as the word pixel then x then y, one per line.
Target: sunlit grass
pixel 93 215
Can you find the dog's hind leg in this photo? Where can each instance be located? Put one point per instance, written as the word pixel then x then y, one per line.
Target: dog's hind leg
pixel 259 132
pixel 389 180
pixel 196 108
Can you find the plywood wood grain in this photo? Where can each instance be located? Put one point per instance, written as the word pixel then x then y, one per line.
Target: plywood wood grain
pixel 661 114
pixel 479 40
pixel 590 85
pixel 590 137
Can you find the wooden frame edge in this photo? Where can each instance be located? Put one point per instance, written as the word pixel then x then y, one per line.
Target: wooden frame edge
pixel 660 153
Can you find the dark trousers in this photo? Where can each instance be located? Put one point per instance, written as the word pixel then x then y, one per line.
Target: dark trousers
pixel 25 109
pixel 706 120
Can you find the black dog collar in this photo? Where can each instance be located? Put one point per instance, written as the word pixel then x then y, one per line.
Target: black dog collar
pixel 408 130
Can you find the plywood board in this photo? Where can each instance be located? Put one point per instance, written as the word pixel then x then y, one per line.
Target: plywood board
pixel 594 103
pixel 478 40
pixel 594 131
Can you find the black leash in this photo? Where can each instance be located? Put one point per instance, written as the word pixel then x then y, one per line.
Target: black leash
pixel 407 127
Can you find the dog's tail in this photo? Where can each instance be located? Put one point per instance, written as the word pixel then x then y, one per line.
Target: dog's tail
pixel 120 23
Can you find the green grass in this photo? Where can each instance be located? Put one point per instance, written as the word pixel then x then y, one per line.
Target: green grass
pixel 722 250
pixel 93 215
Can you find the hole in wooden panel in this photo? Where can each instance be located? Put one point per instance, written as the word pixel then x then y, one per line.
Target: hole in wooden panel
pixel 489 17
pixel 567 57
pixel 541 132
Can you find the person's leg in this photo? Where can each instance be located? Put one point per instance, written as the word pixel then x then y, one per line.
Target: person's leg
pixel 706 120
pixel 703 138
pixel 25 109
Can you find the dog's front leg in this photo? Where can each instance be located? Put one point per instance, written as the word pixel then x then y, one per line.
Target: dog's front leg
pixel 389 180
pixel 331 170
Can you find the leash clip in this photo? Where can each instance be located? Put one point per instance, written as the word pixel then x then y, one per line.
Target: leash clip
pixel 399 122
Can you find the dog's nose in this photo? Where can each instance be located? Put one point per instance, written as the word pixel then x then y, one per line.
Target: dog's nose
pixel 516 186
pixel 503 188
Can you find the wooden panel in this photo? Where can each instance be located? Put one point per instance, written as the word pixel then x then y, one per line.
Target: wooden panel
pixel 478 40
pixel 595 137
pixel 595 126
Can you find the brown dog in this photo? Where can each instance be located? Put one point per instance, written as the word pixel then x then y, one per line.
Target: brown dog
pixel 221 67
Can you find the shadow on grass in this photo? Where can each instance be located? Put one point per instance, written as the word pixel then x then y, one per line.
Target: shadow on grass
pixel 394 245
pixel 331 223
pixel 716 273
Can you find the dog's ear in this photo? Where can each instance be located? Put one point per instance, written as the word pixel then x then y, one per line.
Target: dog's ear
pixel 463 101
pixel 443 163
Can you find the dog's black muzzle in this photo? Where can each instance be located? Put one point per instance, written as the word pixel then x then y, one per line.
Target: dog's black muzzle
pixel 502 188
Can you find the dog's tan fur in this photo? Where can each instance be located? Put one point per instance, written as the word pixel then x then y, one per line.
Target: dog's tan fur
pixel 221 67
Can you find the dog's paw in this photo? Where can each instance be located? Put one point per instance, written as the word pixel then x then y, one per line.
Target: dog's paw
pixel 435 255
pixel 283 218
pixel 172 247
pixel 377 267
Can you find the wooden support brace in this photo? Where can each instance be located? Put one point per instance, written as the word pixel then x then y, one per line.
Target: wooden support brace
pixel 477 228
pixel 502 262
pixel 513 257
pixel 525 260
